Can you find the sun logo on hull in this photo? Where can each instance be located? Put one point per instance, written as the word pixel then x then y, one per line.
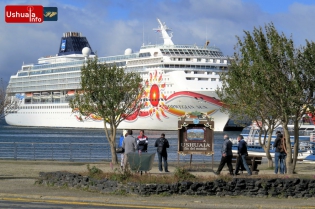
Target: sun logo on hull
pixel 154 97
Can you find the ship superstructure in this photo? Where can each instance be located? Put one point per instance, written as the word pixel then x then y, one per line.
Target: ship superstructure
pixel 183 79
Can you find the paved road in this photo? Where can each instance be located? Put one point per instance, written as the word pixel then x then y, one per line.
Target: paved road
pixel 30 204
pixel 19 203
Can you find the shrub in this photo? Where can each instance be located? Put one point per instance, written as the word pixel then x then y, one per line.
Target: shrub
pixel 182 174
pixel 121 176
pixel 94 171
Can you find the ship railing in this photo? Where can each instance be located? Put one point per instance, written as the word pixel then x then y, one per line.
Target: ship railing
pixel 79 62
pixel 180 46
pixel 82 152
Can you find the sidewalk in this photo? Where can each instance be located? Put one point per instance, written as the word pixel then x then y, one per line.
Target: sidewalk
pixel 17 183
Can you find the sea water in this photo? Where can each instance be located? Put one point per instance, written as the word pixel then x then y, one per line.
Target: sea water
pixel 42 143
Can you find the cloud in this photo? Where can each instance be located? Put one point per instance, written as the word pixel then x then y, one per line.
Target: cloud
pixel 113 26
pixel 298 22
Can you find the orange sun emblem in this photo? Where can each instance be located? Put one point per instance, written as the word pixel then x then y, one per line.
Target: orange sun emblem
pixel 154 92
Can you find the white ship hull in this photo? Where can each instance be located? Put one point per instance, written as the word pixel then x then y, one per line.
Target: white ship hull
pixel 54 115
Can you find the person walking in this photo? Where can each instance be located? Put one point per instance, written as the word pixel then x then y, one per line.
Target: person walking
pixel 280 154
pixel 129 145
pixel 242 153
pixel 226 155
pixel 142 142
pixel 161 144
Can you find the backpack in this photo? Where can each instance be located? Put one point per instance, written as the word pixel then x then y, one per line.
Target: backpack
pixel 280 145
pixel 160 145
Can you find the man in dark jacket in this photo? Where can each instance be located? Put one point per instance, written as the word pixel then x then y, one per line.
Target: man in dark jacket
pixel 161 145
pixel 227 155
pixel 242 153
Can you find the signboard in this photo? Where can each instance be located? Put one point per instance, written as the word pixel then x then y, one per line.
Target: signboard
pixel 195 136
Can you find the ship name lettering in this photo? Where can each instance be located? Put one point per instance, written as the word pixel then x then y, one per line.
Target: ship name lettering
pixel 182 106
pixel 201 107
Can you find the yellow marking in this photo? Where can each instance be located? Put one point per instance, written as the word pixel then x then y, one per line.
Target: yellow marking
pixel 50 14
pixel 83 203
pixel 47 14
pixel 53 14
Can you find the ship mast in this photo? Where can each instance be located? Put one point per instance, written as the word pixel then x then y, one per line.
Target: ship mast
pixel 166 33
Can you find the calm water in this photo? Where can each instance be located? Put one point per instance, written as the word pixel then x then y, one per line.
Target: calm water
pixel 54 143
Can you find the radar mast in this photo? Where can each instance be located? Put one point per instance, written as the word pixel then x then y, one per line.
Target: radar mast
pixel 166 33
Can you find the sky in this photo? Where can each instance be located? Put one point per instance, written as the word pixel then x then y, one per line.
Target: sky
pixel 111 26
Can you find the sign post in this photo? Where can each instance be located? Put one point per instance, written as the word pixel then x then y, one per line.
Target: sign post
pixel 195 136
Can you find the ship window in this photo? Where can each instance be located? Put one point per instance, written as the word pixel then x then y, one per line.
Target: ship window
pixel 147 54
pixel 213 79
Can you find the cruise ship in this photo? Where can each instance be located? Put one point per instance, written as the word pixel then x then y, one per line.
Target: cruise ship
pixel 184 77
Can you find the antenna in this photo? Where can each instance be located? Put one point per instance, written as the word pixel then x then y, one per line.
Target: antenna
pixel 206 33
pixel 207 41
pixel 142 34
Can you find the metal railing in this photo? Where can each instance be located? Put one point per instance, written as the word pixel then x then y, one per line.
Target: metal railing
pixel 54 151
pixel 87 152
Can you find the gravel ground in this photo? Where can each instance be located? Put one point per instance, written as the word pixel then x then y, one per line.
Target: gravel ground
pixel 17 181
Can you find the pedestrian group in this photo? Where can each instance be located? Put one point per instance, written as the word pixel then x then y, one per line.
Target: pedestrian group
pixel 130 144
pixel 227 155
pixel 140 144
